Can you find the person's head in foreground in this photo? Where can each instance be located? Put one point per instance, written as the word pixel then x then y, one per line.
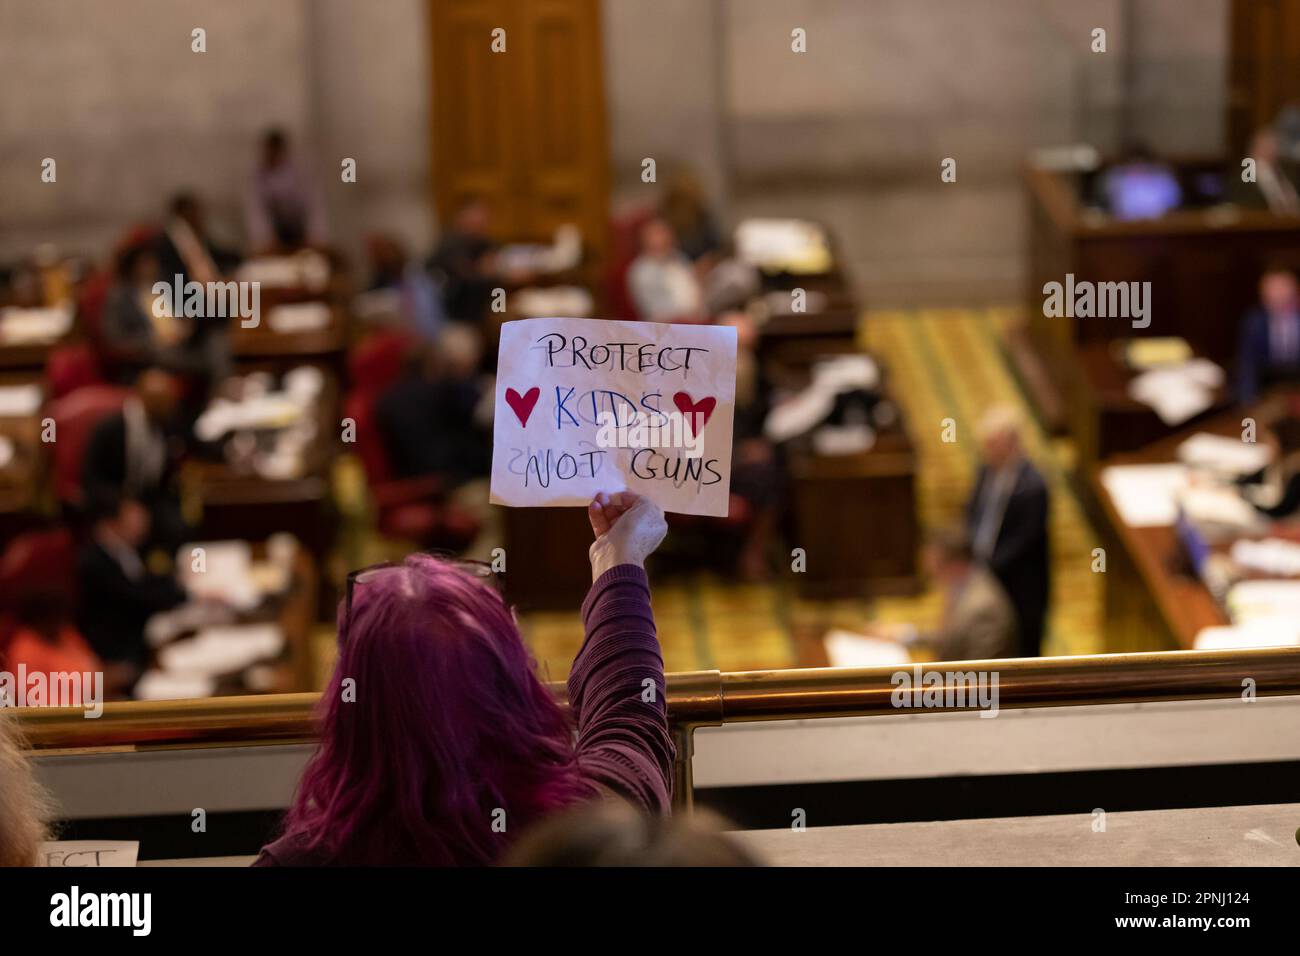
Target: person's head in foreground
pixel 999 435
pixel 439 744
pixel 612 833
pixel 947 555
pixel 25 809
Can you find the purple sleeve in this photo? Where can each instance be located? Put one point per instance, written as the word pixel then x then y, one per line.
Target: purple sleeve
pixel 623 739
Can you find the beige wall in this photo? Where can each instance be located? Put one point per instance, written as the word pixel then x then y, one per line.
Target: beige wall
pixel 851 132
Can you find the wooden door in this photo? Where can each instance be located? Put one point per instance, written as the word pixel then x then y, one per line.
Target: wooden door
pixel 1265 66
pixel 524 128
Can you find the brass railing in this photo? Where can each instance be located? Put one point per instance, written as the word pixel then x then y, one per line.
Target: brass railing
pixel 707 698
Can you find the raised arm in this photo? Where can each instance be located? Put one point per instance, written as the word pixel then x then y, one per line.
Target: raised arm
pixel 616 685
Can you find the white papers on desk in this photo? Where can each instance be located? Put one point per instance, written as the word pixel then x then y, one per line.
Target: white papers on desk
pixel 222 650
pixel 225 575
pixel 537 303
pixel 303 270
pixel 784 245
pixel 1220 506
pixel 1276 556
pixel 19 400
pixel 1251 602
pixel 1178 392
pixel 847 649
pixel 1271 633
pixel 833 441
pixel 1228 456
pixel 1146 496
pixel 299 317
pixel 83 853
pixel 34 326
pixel 564 252
pixel 160 685
pixel 806 410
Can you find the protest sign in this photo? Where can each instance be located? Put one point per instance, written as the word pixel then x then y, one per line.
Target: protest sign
pixel 588 405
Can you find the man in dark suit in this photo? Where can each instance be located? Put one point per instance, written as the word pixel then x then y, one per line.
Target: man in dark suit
pixel 117 594
pixel 1006 518
pixel 1268 349
pixel 129 456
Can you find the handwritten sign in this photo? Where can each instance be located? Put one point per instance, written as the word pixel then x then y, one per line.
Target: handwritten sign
pixel 587 405
pixel 74 853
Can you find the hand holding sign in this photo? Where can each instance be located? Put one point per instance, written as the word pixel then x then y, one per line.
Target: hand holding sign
pixel 586 406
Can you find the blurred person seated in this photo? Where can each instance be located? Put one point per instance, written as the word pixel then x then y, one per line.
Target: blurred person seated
pixel 1139 186
pixel 186 249
pixel 1275 491
pixel 687 213
pixel 466 264
pixel 138 329
pixel 1007 520
pixel 418 300
pixel 1268 344
pixel 663 286
pixel 978 622
pixel 117 593
pixel 42 637
pixel 757 471
pixel 283 211
pixel 1274 188
pixel 26 810
pixel 476 748
pixel 612 833
pixel 132 454
pixel 435 420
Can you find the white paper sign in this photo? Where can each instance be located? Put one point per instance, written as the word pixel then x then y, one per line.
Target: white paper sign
pixel 590 405
pixel 89 853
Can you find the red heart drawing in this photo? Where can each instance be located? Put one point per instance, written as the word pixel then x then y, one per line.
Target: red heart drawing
pixel 523 404
pixel 690 409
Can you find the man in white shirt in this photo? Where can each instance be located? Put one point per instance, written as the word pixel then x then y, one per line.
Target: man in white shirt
pixel 661 281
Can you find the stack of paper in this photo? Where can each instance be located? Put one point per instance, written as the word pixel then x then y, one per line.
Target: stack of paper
pixel 1145 496
pixel 1230 456
pixel 1270 603
pixel 784 245
pixel 222 650
pixel 19 400
pixel 1178 392
pixel 299 317
pixel 26 326
pixel 847 649
pixel 1276 556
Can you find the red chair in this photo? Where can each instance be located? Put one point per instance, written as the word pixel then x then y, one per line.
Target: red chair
pixel 411 509
pixel 36 562
pixel 70 367
pixel 75 417
pixel 376 363
pixel 624 244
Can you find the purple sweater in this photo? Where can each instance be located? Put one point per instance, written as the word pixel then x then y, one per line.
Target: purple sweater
pixel 623 745
pixel 616 692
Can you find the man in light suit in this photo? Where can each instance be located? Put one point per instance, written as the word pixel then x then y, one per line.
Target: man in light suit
pixel 1268 348
pixel 1007 520
pixel 978 620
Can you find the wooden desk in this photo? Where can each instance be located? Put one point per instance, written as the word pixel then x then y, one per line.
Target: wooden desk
pixel 1106 421
pixel 24 478
pixel 1153 600
pixel 239 503
pixel 1203 266
pixel 855 517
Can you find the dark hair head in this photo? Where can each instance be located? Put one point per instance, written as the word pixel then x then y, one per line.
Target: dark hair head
pixel 615 834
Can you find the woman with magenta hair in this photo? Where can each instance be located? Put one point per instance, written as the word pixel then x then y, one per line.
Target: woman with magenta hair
pixel 440 745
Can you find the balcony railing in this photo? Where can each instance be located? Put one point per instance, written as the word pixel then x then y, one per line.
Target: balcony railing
pixel 710 698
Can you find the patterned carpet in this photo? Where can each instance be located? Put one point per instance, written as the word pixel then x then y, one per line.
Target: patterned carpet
pixel 943 364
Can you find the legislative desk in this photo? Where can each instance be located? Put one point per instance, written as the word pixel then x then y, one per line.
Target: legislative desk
pixel 1153 599
pixel 1203 265
pixel 1106 420
pixel 23 475
pixel 238 502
